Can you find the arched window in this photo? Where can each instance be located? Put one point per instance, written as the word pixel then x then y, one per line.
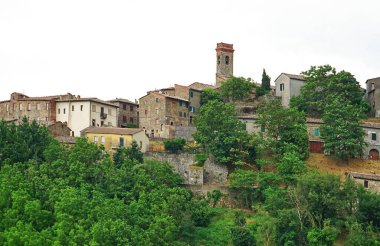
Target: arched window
pixel 218 59
pixel 227 60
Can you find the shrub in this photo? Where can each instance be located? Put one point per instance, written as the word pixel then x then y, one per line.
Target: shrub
pixel 174 145
pixel 200 159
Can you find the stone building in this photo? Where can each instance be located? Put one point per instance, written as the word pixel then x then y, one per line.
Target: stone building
pixel 79 113
pixel 41 109
pixel 368 180
pixel 287 86
pixel 161 111
pixel 128 112
pixel 224 62
pixel 373 96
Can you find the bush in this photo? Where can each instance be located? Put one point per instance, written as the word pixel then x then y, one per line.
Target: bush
pixel 200 159
pixel 200 213
pixel 174 145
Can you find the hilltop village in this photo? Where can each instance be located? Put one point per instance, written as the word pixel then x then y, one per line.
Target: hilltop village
pixel 169 112
pixel 233 162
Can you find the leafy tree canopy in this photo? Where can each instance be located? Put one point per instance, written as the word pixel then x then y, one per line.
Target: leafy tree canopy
pixel 341 131
pixel 322 85
pixel 222 133
pixel 284 127
pixel 236 88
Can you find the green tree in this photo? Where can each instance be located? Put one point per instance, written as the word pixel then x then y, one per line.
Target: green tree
pixel 341 131
pixel 290 166
pixel 174 145
pixel 322 84
pixel 265 85
pixel 222 134
pixel 244 181
pixel 236 88
pixel 209 94
pixel 284 127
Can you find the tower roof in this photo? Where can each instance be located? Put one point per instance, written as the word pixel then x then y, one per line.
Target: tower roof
pixel 225 47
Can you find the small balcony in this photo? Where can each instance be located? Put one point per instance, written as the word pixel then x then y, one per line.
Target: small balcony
pixel 103 116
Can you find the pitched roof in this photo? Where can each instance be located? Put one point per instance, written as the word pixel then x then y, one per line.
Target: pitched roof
pixel 199 86
pixel 369 176
pixel 122 100
pixel 164 95
pixel 92 99
pixel 111 130
pixel 292 76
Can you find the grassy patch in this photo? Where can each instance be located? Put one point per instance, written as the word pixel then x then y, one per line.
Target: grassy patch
pixel 218 231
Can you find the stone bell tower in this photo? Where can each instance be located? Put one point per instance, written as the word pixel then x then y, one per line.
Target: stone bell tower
pixel 224 62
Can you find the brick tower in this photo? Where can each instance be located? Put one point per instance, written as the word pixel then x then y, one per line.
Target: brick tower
pixel 224 62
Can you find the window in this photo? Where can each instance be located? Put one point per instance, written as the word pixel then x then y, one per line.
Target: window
pixel 29 107
pixel 373 136
pixel 124 118
pixel 162 126
pixel 81 107
pixel 64 111
pixel 93 108
pixel 227 60
pixel 156 99
pixel 95 139
pixel 180 114
pixel 93 122
pixel 316 131
pixel 102 139
pixel 124 106
pixel 146 111
pixel 218 59
pixel 191 119
pixel 59 111
pixel 131 108
pixel 72 108
pixel 191 94
pixel 20 106
pixel 365 183
pixel 171 123
pixel 101 123
pixel 281 87
pixel 38 106
pixel 184 114
pixel 121 142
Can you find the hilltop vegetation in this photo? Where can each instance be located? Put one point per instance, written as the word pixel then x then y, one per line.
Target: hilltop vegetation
pixel 53 194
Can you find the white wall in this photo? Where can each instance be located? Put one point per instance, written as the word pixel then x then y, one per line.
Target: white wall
pixel 111 118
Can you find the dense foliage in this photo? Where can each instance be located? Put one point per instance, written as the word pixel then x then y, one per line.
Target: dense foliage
pixel 284 128
pixel 174 145
pixel 222 134
pixel 77 195
pixel 265 85
pixel 341 131
pixel 236 88
pixel 322 85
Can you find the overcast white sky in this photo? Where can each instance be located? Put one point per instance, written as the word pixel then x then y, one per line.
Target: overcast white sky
pixel 109 49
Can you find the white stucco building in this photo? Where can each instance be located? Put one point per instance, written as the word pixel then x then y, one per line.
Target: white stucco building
pixel 80 113
pixel 287 86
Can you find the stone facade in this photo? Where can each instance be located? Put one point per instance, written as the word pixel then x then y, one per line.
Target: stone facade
pixel 288 86
pixel 128 112
pixel 59 129
pixel 224 62
pixel 161 111
pixel 183 164
pixel 40 109
pixel 185 132
pixel 368 180
pixel 373 96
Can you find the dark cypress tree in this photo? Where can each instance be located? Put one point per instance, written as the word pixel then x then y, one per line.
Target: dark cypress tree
pixel 265 81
